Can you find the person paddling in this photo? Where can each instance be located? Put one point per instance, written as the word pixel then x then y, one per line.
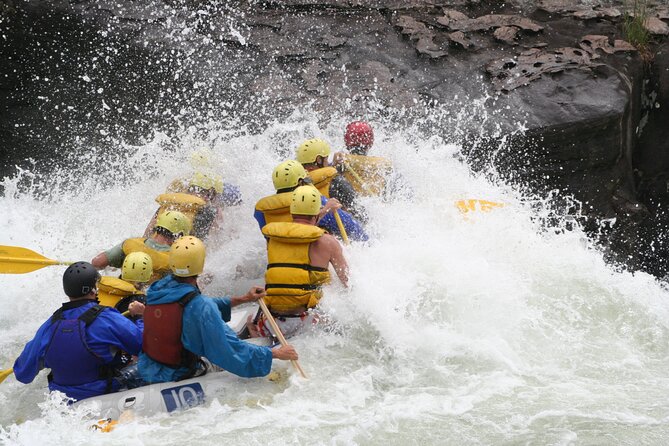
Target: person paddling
pixel 81 342
pixel 127 292
pixel 199 201
pixel 313 155
pixel 298 256
pixel 369 175
pixel 169 227
pixel 286 177
pixel 181 325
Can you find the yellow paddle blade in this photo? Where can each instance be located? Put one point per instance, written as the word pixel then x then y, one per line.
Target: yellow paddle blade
pixel 105 425
pixel 5 373
pixel 17 260
pixel 465 206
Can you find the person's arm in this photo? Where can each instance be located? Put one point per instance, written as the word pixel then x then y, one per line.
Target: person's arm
pixel 253 295
pixel 31 360
pixel 353 228
pixel 100 261
pixel 112 257
pixel 222 347
pixel 224 305
pixel 122 333
pixel 260 218
pixel 338 261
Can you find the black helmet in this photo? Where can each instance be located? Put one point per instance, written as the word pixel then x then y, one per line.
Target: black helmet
pixel 79 279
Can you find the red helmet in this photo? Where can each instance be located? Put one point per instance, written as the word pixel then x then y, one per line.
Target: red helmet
pixel 359 133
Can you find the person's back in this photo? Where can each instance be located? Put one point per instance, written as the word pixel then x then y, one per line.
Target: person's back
pixel 286 177
pixel 298 256
pixel 368 175
pixel 313 155
pixel 182 325
pixel 80 342
pixel 169 226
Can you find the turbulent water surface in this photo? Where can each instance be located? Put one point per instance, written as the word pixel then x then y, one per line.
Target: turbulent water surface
pixel 479 329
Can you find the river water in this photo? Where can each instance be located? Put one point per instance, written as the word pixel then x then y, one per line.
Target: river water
pixel 485 328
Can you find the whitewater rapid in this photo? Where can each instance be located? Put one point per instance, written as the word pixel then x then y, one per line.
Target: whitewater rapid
pixel 487 328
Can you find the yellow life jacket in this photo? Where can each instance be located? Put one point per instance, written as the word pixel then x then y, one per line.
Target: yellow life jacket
pixel 276 207
pixel 367 174
pixel 187 204
pixel 160 259
pixel 291 282
pixel 322 178
pixel 111 290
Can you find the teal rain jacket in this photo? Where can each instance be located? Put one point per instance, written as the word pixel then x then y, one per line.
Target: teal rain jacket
pixel 204 333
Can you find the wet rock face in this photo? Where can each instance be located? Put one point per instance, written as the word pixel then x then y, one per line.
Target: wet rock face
pixel 595 115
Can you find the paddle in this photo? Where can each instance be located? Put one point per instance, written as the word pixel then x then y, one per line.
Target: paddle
pixel 5 373
pixel 279 335
pixel 357 177
pixel 341 227
pixel 17 260
pixel 470 205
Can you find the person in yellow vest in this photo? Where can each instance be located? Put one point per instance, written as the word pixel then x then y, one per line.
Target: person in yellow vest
pixel 286 177
pixel 298 256
pixel 198 201
pixel 369 175
pixel 127 292
pixel 169 227
pixel 313 155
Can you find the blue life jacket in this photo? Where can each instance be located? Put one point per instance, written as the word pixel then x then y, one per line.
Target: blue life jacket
pixel 71 361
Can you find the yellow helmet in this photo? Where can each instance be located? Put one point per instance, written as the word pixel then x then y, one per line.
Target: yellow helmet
pixel 306 201
pixel 309 150
pixel 187 256
pixel 137 267
pixel 175 222
pixel 206 181
pixel 288 174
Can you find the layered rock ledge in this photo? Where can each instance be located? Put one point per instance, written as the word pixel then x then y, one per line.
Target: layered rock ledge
pixel 596 110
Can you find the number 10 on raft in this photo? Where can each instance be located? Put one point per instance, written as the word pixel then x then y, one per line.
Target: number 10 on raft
pixel 183 397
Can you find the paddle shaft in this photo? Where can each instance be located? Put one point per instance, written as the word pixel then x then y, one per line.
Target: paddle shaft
pixel 279 335
pixel 341 227
pixel 358 178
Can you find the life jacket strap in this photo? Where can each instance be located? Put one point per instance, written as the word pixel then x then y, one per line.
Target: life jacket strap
pixel 298 286
pixel 91 314
pixel 297 265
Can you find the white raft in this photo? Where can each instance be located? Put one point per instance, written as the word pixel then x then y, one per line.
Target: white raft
pixel 171 396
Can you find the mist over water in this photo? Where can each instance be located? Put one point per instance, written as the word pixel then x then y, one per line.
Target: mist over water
pixel 485 328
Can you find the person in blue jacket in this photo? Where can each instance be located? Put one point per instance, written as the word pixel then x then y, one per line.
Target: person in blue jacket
pixel 82 342
pixel 181 325
pixel 287 177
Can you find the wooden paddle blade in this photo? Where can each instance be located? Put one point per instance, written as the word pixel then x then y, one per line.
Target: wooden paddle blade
pixel 5 373
pixel 17 260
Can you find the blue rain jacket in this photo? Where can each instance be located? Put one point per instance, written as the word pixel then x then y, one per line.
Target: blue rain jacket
pixel 110 333
pixel 205 333
pixel 354 229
